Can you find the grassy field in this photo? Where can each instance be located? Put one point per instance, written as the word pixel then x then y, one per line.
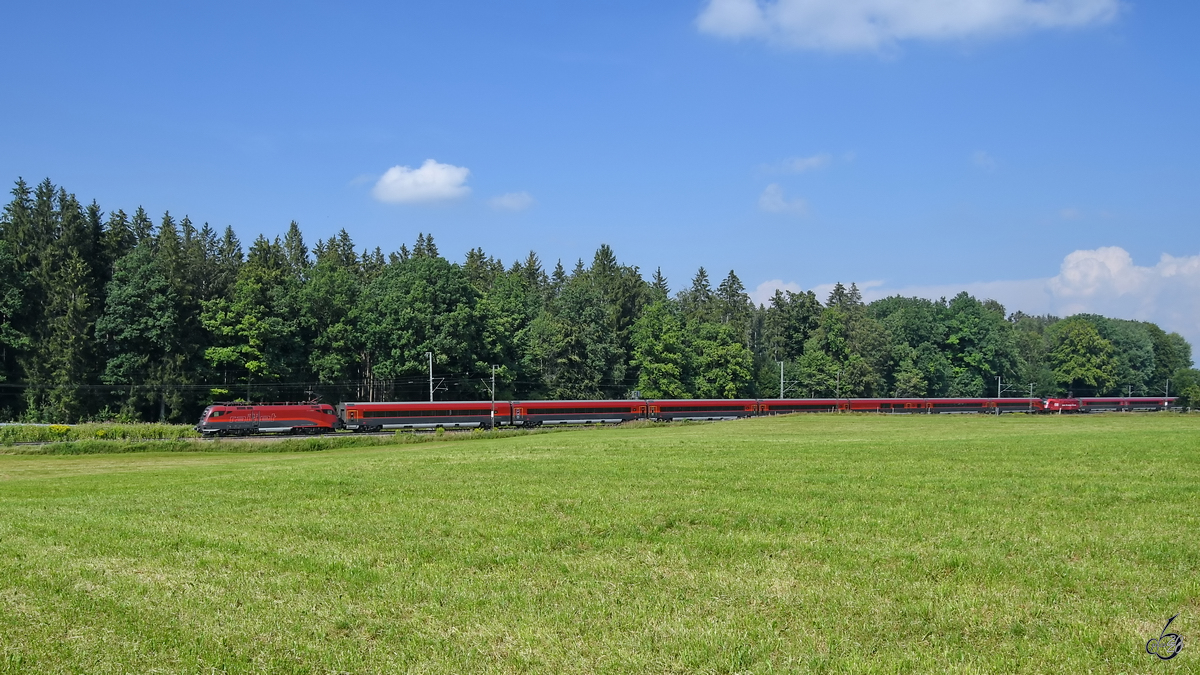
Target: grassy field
pixel 58 433
pixel 807 543
pixel 274 443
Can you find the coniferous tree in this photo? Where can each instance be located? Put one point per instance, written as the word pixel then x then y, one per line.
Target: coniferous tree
pixel 141 226
pixel 331 316
pixel 660 352
pixel 12 341
pixel 140 330
pixel 255 332
pixel 696 302
pixel 425 304
pixel 558 279
pixel 659 289
pixel 15 229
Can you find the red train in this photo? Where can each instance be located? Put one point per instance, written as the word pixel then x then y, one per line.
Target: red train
pixel 240 419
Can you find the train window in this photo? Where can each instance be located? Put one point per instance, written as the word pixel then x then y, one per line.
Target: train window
pixel 574 411
pixel 427 413
pixel 704 408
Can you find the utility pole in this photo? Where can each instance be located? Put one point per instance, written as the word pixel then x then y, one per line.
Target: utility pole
pixel 430 355
pixel 785 384
pixel 493 396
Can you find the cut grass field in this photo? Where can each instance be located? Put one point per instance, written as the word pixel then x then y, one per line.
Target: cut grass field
pixel 817 543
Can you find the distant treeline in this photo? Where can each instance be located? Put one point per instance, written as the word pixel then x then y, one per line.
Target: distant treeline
pixel 112 316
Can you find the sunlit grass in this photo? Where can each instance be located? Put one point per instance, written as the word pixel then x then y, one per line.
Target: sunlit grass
pixel 54 433
pixel 812 543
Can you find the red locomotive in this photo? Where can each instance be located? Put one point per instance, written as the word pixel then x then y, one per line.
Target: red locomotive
pixel 240 419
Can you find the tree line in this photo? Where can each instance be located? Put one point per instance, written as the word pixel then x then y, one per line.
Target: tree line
pixel 120 316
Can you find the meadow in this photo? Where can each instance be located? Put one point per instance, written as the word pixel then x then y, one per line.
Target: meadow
pixel 818 543
pixel 11 434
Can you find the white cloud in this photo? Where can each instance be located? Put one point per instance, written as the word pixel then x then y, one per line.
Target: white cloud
pixel 733 19
pixel 850 25
pixel 512 201
pixel 432 182
pixel 1102 281
pixel 772 200
pixel 801 164
pixel 983 160
pixel 1070 214
pixel 766 290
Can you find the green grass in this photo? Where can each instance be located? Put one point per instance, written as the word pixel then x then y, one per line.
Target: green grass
pixel 257 444
pixel 818 543
pixel 53 433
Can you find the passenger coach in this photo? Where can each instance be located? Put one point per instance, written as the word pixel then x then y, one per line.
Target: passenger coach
pixel 533 413
pixel 424 415
pixel 703 409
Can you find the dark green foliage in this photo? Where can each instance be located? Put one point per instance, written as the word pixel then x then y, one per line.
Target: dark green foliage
pixel 329 306
pixel 12 291
pixel 722 365
pixel 420 305
pixel 1185 384
pixel 1082 359
pixel 123 317
pixel 790 321
pixel 660 352
pixel 573 347
pixel 848 347
pixel 979 346
pixel 139 329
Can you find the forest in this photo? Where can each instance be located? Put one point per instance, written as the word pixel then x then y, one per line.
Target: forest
pixel 116 316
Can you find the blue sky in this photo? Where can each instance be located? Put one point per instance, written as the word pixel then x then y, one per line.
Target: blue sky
pixel 1041 153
